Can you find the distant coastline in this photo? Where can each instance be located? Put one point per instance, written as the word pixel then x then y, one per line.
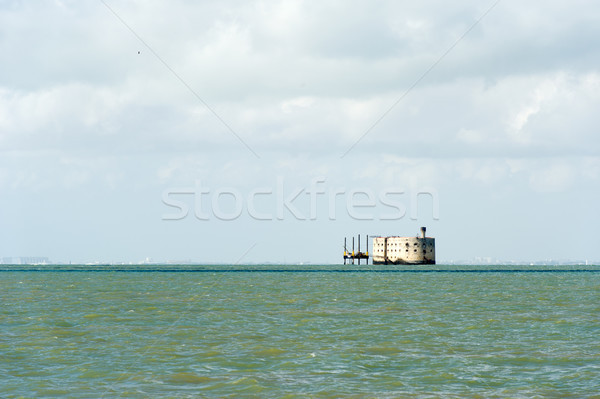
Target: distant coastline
pixel 297 268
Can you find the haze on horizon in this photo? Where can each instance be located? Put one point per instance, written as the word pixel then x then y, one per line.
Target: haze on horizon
pixel 267 131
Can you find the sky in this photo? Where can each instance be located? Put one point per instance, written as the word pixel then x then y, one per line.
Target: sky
pixel 267 131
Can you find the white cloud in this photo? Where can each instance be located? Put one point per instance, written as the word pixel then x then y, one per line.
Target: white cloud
pixel 552 178
pixel 470 136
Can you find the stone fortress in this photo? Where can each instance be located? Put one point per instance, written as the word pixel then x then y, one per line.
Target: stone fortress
pixel 404 250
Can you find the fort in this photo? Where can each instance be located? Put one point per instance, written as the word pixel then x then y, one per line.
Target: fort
pixel 395 250
pixel 404 250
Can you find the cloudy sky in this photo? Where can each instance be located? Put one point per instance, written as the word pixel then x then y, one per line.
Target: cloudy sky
pixel 267 131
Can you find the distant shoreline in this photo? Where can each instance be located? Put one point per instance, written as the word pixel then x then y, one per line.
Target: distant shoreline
pixel 272 268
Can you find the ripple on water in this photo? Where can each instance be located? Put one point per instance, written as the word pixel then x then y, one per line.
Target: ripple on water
pixel 306 334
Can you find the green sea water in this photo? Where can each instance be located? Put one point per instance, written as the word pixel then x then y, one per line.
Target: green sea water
pixel 314 332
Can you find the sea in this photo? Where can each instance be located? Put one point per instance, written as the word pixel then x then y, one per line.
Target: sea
pixel 298 331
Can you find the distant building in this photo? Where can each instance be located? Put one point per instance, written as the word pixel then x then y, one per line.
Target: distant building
pixel 25 260
pixel 396 250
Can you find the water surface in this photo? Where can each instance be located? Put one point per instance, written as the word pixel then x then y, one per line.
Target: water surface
pixel 308 333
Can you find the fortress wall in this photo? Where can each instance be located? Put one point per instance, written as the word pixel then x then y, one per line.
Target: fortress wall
pixel 403 250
